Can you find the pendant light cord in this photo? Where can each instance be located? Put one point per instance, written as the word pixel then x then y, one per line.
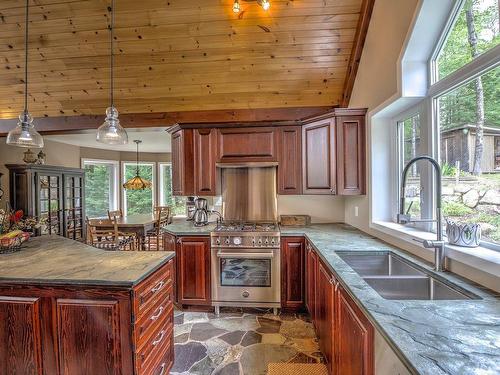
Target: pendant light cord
pixel 137 158
pixel 26 35
pixel 111 33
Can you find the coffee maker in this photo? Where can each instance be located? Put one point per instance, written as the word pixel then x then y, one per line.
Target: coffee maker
pixel 200 216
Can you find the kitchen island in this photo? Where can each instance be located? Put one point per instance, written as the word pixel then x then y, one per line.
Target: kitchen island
pixel 68 308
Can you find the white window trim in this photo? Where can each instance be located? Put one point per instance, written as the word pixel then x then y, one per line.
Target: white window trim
pixel 153 183
pixel 115 194
pixel 160 181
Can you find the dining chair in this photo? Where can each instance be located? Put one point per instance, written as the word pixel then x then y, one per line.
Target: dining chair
pixel 115 213
pixel 154 238
pixel 104 234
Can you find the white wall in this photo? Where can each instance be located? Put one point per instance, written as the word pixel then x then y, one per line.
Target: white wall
pixel 376 80
pixel 59 154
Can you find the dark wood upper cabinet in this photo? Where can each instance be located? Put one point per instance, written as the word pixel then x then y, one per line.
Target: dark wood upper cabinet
pixel 351 170
pixel 205 171
pixel 252 144
pixel 193 267
pixel 292 273
pixel 182 162
pixel 290 160
pixel 354 343
pixel 20 340
pixel 318 157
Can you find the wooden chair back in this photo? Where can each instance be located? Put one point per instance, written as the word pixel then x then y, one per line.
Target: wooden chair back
pixel 116 213
pixel 162 214
pixel 101 228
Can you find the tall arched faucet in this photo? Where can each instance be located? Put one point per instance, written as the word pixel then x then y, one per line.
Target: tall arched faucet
pixel 405 217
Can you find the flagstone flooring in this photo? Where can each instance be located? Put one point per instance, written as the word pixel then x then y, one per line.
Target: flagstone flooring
pixel 241 342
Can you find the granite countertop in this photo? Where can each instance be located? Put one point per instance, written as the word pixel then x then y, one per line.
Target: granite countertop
pixel 58 260
pixel 430 337
pixel 182 227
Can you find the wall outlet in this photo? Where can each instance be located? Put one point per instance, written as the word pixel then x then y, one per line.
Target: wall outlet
pixel 356 211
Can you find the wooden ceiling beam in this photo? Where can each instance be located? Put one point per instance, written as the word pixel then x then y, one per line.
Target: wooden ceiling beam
pixel 68 124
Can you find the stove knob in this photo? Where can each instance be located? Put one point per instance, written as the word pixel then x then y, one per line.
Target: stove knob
pixel 272 241
pixel 227 241
pixel 237 240
pixel 245 294
pixel 253 241
pixel 260 241
pixel 217 241
pixel 266 241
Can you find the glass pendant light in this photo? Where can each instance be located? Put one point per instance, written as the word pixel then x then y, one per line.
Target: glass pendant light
pixel 266 4
pixel 236 6
pixel 25 134
pixel 137 182
pixel 111 132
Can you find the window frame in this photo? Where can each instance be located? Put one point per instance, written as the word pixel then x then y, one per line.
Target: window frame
pixel 428 110
pixel 114 201
pixel 161 188
pixel 153 183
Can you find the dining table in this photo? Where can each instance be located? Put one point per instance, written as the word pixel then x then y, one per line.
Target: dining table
pixel 139 224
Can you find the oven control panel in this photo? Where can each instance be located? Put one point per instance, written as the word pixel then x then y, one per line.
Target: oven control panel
pixel 247 241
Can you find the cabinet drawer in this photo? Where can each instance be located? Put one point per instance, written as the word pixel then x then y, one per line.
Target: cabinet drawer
pixel 153 288
pixel 152 317
pixel 163 362
pixel 157 344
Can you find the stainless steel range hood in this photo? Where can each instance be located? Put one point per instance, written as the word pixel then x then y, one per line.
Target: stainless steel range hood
pixel 249 192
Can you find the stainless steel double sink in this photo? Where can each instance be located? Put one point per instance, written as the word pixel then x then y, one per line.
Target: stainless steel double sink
pixel 396 278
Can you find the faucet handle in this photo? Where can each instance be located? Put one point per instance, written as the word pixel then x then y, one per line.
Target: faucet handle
pixel 409 208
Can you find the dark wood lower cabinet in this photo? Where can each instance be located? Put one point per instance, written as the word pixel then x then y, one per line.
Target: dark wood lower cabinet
pixel 193 266
pixel 311 272
pixel 292 273
pixel 81 330
pixel 354 346
pixel 345 334
pixel 20 339
pixel 325 313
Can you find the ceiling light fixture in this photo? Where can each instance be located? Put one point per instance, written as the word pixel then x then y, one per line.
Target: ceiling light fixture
pixel 111 132
pixel 137 182
pixel 236 6
pixel 25 134
pixel 265 4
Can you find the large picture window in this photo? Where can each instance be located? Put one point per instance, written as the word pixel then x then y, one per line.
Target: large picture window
pixel 101 187
pixel 474 30
pixel 139 201
pixel 178 204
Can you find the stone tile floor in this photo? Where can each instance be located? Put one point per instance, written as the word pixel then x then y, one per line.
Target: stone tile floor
pixel 241 342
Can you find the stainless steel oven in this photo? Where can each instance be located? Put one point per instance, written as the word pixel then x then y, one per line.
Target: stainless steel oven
pixel 245 270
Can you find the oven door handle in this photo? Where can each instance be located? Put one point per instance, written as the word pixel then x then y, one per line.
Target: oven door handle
pixel 221 254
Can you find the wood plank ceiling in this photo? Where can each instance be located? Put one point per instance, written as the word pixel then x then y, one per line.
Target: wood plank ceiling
pixel 176 55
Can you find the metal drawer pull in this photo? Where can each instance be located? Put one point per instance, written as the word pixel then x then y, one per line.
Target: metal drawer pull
pixel 158 287
pixel 162 367
pixel 160 338
pixel 160 311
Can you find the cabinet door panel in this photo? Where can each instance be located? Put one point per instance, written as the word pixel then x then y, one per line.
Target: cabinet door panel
pixel 325 312
pixel 318 144
pixel 311 265
pixel 88 336
pixel 247 144
pixel 292 273
pixel 205 148
pixel 182 162
pixel 351 155
pixel 290 163
pixel 354 342
pixel 20 340
pixel 194 271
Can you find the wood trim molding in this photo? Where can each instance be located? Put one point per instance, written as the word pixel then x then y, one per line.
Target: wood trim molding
pixel 69 124
pixel 357 50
